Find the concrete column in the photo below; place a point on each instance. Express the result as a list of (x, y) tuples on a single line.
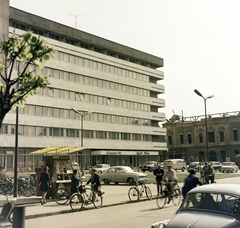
[(4, 19)]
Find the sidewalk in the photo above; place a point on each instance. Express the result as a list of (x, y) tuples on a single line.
[(114, 195)]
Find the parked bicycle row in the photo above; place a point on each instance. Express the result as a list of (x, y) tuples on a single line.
[(26, 186)]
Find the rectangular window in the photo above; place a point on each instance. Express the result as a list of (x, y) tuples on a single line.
[(235, 135), (113, 135), (211, 137), (136, 137), (88, 134), (101, 134), (125, 136)]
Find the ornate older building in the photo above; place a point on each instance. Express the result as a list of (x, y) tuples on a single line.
[(186, 137)]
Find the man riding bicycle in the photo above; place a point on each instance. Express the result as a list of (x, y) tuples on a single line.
[(171, 176), (209, 174)]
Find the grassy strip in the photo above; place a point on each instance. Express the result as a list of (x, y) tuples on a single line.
[(181, 176)]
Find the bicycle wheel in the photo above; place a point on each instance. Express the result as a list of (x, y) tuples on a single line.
[(176, 198), (61, 196), (133, 194), (148, 192), (97, 200), (76, 202), (161, 201)]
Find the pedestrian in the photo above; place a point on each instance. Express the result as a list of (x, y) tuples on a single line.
[(74, 181), (44, 184), (95, 182), (190, 182), (159, 172)]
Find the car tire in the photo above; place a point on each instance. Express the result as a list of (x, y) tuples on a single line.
[(143, 170), (183, 169), (106, 181), (99, 172), (130, 181), (116, 182)]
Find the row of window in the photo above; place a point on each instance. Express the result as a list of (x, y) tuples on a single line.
[(94, 99), (71, 133), (69, 114), (86, 80), (74, 59), (211, 137), (79, 44)]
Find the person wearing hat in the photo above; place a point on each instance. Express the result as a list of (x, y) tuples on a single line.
[(190, 182)]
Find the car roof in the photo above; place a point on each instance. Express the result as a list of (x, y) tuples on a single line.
[(233, 189), (120, 166)]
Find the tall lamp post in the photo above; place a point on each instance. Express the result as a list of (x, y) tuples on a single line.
[(82, 114), (206, 124), (169, 121)]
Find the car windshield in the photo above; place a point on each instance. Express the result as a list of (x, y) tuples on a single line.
[(221, 203), (128, 169), (193, 164), (99, 166), (228, 163)]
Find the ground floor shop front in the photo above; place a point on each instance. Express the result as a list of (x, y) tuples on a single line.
[(86, 157)]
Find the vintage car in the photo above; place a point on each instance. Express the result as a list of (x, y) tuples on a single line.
[(229, 167), (122, 174), (149, 166), (216, 165), (195, 166), (216, 205), (102, 168)]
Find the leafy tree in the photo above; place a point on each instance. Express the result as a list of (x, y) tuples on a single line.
[(19, 59)]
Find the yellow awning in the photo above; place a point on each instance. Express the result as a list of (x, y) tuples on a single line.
[(58, 150)]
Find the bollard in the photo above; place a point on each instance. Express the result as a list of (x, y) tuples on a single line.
[(19, 216)]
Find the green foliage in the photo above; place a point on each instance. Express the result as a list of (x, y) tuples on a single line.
[(21, 57)]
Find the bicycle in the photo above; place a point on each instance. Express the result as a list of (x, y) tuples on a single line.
[(134, 193), (84, 197), (165, 194), (7, 210), (62, 194)]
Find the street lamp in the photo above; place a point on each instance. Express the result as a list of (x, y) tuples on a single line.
[(169, 121), (205, 107), (82, 114)]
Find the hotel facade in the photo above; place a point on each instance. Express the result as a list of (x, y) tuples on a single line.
[(116, 90)]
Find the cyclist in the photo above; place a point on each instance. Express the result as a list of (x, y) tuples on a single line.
[(171, 176), (95, 182), (209, 174)]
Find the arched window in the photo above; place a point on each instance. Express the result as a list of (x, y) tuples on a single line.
[(200, 136), (170, 140)]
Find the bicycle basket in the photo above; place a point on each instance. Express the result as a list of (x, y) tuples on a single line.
[(81, 189)]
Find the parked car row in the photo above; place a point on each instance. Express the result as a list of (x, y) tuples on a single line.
[(224, 167)]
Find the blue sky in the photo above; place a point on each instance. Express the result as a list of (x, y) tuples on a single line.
[(199, 41)]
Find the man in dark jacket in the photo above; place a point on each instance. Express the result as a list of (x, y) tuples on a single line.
[(159, 172), (190, 182), (95, 182)]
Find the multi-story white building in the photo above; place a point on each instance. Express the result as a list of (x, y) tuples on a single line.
[(114, 87)]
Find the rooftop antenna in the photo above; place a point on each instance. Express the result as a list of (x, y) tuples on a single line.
[(76, 19)]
